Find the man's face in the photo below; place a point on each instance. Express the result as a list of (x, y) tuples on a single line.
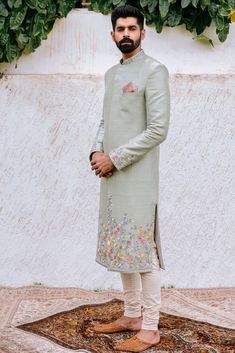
[(127, 34)]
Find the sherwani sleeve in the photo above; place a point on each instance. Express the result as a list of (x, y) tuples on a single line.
[(157, 99), (97, 145)]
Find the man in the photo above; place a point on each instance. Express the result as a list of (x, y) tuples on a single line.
[(125, 155)]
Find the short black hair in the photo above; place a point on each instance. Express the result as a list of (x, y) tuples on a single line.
[(127, 11)]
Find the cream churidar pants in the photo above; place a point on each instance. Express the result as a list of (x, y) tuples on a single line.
[(151, 293)]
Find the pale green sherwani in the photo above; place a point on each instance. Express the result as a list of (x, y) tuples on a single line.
[(133, 125)]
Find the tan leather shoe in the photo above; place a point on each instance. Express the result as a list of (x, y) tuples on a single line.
[(134, 344), (112, 327)]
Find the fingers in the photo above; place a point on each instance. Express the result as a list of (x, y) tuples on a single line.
[(105, 175), (95, 165), (97, 156), (101, 169)]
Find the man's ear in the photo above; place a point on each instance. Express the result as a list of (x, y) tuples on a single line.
[(142, 33), (112, 35)]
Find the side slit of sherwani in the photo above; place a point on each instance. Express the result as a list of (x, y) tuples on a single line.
[(157, 239)]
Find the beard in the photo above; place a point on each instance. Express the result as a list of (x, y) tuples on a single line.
[(128, 48)]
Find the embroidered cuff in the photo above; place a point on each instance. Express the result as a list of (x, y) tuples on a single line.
[(121, 159)]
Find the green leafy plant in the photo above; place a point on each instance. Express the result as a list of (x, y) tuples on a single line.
[(196, 15), (25, 23)]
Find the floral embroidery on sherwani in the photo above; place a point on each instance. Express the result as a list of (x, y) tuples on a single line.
[(120, 158), (124, 245)]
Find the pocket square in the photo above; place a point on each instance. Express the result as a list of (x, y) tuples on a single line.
[(130, 87)]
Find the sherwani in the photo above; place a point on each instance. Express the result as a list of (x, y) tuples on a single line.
[(133, 125)]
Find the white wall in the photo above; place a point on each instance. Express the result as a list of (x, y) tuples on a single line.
[(82, 44), (50, 108)]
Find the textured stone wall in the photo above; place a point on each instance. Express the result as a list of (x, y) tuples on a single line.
[(49, 112)]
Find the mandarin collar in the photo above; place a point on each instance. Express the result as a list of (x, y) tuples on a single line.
[(133, 58)]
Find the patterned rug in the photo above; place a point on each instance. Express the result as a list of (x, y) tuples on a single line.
[(73, 329), (38, 319)]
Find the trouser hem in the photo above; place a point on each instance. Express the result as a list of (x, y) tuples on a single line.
[(132, 314), (150, 326)]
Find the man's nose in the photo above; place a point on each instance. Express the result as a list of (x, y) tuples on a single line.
[(126, 33)]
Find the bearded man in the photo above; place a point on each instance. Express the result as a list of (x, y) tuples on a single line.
[(125, 155)]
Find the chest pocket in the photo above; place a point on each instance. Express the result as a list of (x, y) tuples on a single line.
[(132, 100)]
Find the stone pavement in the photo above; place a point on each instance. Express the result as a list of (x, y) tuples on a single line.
[(21, 305)]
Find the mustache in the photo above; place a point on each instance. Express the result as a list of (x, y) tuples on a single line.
[(126, 40)]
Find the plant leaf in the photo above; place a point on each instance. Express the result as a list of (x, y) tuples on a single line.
[(144, 3), (222, 35), (163, 7), (39, 21), (204, 38), (11, 51), (17, 4), (3, 10), (174, 17), (219, 22), (48, 26), (36, 5), (159, 25), (4, 38), (213, 9), (65, 6), (116, 2), (10, 3), (17, 17), (51, 11), (33, 44), (204, 4), (152, 5), (195, 2), (2, 22), (22, 39), (231, 3), (185, 3), (1, 55), (225, 10)]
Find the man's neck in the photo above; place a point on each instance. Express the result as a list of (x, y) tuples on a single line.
[(129, 55)]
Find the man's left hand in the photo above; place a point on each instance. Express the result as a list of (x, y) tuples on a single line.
[(102, 164)]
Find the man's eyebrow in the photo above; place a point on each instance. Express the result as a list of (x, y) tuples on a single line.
[(119, 27)]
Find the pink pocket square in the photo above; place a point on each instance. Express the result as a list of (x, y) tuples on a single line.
[(130, 87)]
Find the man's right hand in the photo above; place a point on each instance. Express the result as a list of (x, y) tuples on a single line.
[(107, 175)]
